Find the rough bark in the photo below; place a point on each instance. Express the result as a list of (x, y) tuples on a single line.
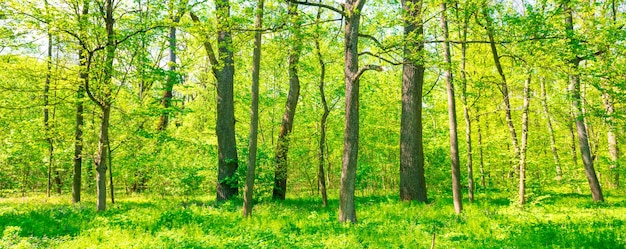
[(522, 163), (555, 154), (282, 145), (228, 163), (321, 178), (254, 112), (412, 180), (101, 159), (577, 108), (454, 142), (347, 211), (612, 139)]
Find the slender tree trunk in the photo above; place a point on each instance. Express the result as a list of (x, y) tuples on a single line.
[(504, 88), (466, 115), (110, 162), (172, 76), (574, 89), (254, 112), (612, 139), (321, 178), (282, 146), (454, 142), (347, 211), (412, 180), (101, 160), (522, 164), (483, 183), (84, 63), (46, 111), (574, 143), (555, 154)]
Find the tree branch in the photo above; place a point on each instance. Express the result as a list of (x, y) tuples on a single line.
[(380, 57), (328, 7), (366, 68), (207, 46)]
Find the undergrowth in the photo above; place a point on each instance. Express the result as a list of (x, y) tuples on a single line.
[(548, 221)]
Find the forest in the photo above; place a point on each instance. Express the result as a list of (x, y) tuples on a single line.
[(312, 124)]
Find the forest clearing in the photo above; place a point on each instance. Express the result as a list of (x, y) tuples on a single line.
[(312, 124)]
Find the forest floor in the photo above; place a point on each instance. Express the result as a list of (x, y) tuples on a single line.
[(148, 221)]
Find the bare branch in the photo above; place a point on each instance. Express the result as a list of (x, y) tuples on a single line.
[(366, 68), (328, 7), (207, 46), (381, 58)]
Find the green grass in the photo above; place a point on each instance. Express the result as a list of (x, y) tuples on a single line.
[(550, 221)]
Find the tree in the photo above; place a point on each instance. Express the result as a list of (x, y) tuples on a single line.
[(223, 69), (321, 178), (254, 111), (282, 146), (454, 141), (555, 154), (574, 91), (412, 180)]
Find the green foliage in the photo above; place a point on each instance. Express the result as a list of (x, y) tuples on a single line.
[(569, 221)]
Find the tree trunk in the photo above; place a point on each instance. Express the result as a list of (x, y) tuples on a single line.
[(522, 163), (483, 183), (254, 112), (454, 142), (101, 160), (172, 76), (347, 211), (466, 115), (504, 88), (574, 89), (228, 163), (555, 154), (84, 59), (321, 178), (412, 180), (110, 162), (46, 111), (612, 139), (282, 146)]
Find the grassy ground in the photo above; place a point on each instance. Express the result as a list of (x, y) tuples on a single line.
[(548, 221)]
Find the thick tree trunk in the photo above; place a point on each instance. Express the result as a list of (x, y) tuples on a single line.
[(228, 163), (555, 154), (612, 139), (454, 142), (347, 211), (282, 146), (412, 180), (577, 106), (254, 112), (466, 115), (522, 164), (321, 178)]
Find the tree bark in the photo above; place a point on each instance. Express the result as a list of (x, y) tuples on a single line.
[(282, 146), (483, 182), (84, 59), (581, 129), (466, 115), (347, 211), (254, 112), (412, 180), (612, 139), (522, 164), (172, 76), (555, 154), (101, 159), (321, 178), (46, 110), (454, 142)]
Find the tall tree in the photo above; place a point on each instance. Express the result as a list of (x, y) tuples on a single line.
[(574, 91), (466, 113), (522, 162), (46, 106), (223, 69), (282, 145), (555, 154), (412, 180), (254, 111), (454, 141), (84, 63), (321, 178)]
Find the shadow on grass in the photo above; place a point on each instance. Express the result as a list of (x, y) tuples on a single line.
[(50, 221)]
